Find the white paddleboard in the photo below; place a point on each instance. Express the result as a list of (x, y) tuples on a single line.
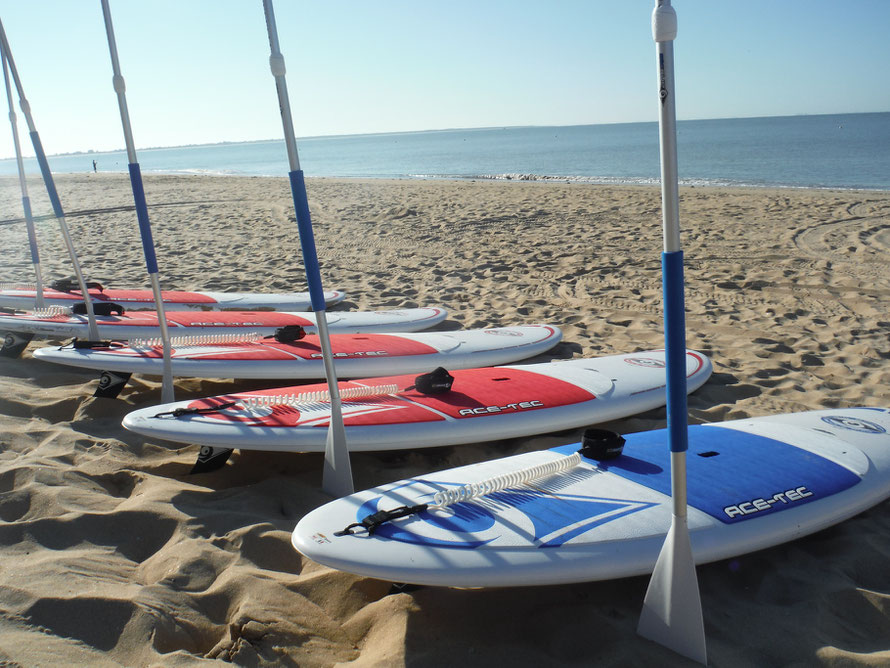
[(752, 484), (144, 324), (388, 413), (355, 355), (25, 297)]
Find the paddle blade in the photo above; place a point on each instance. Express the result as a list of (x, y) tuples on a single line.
[(672, 614), (336, 478)]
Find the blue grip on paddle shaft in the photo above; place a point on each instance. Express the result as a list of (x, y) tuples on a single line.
[(32, 235), (47, 175), (307, 239), (148, 244), (675, 349)]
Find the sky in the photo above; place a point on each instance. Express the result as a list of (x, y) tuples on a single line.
[(197, 71)]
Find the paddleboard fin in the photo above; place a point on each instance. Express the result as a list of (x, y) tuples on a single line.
[(211, 459), (110, 384), (14, 343)]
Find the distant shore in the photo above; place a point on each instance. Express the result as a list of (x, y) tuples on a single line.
[(110, 552), (822, 151)]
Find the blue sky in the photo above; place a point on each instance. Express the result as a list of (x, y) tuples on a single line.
[(197, 70)]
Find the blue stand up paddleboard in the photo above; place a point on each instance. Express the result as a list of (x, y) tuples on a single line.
[(576, 513)]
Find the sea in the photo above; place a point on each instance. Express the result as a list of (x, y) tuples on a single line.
[(843, 151)]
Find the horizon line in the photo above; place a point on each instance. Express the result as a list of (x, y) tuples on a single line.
[(225, 142)]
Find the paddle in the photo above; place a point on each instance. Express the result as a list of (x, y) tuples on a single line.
[(337, 476), (672, 614), (23, 185), (50, 186), (148, 247)]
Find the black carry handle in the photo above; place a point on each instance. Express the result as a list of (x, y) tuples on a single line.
[(288, 334), (85, 344), (100, 308), (600, 444), (437, 381), (70, 285)]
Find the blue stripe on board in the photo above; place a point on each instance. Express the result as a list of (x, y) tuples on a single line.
[(747, 475)]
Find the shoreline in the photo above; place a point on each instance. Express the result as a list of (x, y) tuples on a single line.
[(111, 553), (35, 185), (616, 182)]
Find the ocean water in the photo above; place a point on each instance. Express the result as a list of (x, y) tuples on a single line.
[(848, 151)]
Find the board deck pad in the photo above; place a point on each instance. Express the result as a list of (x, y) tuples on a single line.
[(724, 466), (355, 355), (752, 484), (483, 403)]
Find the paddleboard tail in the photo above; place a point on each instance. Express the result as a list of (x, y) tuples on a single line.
[(474, 490)]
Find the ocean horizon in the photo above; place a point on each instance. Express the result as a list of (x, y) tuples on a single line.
[(831, 151)]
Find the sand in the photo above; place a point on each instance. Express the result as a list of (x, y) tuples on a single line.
[(112, 554)]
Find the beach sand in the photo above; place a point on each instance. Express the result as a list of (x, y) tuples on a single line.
[(112, 554)]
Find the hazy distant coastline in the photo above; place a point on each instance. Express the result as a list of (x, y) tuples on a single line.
[(832, 151), (418, 132)]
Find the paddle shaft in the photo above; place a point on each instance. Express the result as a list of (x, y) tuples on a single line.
[(337, 475), (148, 247), (672, 614), (23, 184), (50, 184), (672, 265)]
